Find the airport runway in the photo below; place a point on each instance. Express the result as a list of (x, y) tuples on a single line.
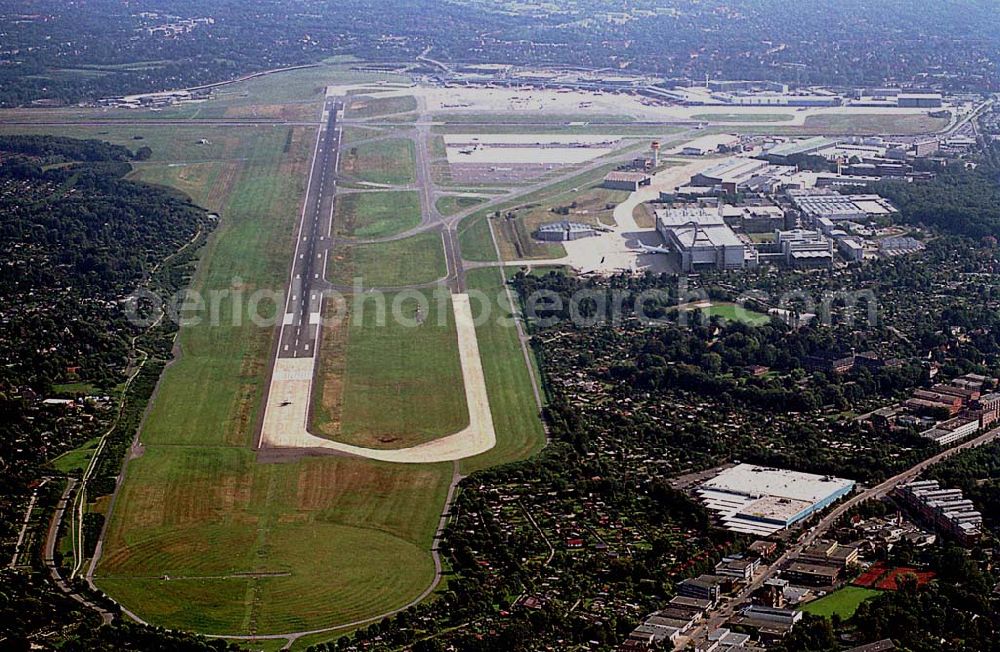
[(301, 320)]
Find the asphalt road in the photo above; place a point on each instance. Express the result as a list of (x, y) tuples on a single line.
[(301, 318)]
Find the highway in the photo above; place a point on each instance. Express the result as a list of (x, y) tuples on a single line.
[(301, 319), (881, 490)]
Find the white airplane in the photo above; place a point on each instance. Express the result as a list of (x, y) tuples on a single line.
[(650, 249)]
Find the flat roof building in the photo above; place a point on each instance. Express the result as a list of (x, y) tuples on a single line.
[(730, 175), (759, 500), (920, 100), (703, 239), (563, 231), (785, 151), (831, 205), (804, 248), (810, 574), (630, 181), (946, 509)]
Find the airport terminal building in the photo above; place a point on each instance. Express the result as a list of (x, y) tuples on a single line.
[(757, 500), (703, 239)]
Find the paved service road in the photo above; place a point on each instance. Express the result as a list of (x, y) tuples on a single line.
[(301, 320)]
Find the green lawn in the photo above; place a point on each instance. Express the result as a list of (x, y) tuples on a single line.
[(388, 162), (843, 602), (736, 313), (413, 260), (744, 117), (85, 389), (78, 458), (451, 204), (530, 117), (515, 414), (336, 538), (376, 214), (269, 547), (474, 238), (351, 134), (370, 107), (862, 124), (399, 382)]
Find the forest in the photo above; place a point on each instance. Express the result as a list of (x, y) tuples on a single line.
[(961, 199), (77, 238)]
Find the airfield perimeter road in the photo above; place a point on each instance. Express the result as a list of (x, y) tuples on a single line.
[(810, 536), (300, 322)]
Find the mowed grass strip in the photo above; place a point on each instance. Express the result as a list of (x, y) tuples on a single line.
[(475, 240), (402, 382), (364, 106), (208, 605), (862, 124), (508, 382), (843, 602), (376, 214), (208, 396), (451, 204), (414, 260), (390, 162), (744, 117), (322, 541)]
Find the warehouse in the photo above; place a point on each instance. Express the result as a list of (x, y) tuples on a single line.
[(630, 181), (731, 174), (703, 239), (564, 231), (920, 100), (818, 204), (758, 500), (782, 153)]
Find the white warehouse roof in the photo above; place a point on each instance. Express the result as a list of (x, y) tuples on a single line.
[(757, 481)]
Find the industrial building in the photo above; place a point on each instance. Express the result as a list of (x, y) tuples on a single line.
[(730, 175), (630, 181), (754, 219), (782, 153), (703, 239), (920, 100), (758, 500), (946, 509), (818, 204), (778, 99), (852, 249), (899, 246), (564, 231), (804, 248)]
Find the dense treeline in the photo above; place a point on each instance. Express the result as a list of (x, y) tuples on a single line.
[(75, 240), (960, 200), (711, 356), (59, 148)]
